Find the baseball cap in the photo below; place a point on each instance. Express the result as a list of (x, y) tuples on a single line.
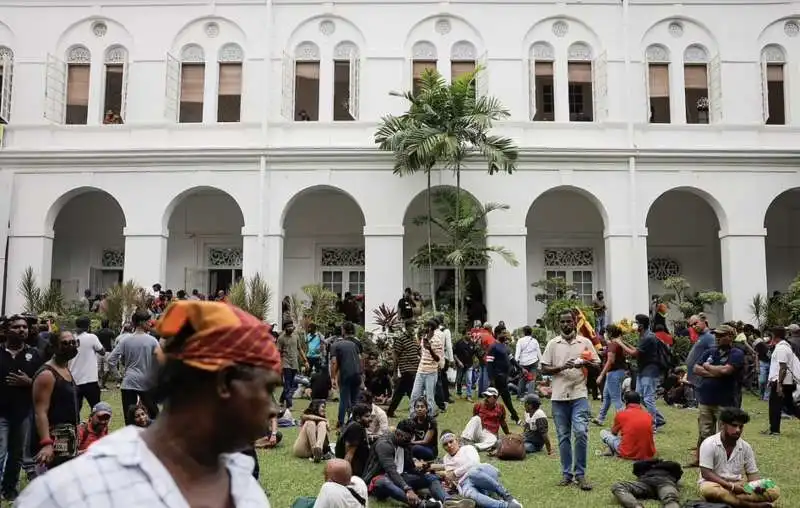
[(102, 407), (793, 328), (491, 392), (724, 330)]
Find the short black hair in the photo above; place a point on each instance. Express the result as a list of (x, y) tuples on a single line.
[(140, 317), (104, 323), (360, 410), (643, 320), (632, 398), (406, 426), (613, 331), (366, 397), (349, 328), (734, 415), (83, 323), (527, 330)]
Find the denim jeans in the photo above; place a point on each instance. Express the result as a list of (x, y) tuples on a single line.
[(12, 446), (763, 375), (348, 395), (288, 387), (601, 323), (384, 488), (572, 421), (612, 392), (526, 386), (479, 485), (424, 383), (532, 447), (422, 452), (611, 441), (647, 386), (483, 381), (465, 377)]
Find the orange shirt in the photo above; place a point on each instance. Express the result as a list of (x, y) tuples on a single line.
[(635, 425)]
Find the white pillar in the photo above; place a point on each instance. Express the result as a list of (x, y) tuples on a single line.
[(383, 253), (273, 256), (210, 87), (506, 285), (326, 84), (626, 275), (744, 271), (35, 251), (252, 254), (677, 97), (145, 257), (561, 89)]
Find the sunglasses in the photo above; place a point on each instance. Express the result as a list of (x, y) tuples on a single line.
[(104, 417)]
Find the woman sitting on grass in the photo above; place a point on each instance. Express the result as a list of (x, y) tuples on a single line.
[(426, 432), (139, 416), (312, 440)]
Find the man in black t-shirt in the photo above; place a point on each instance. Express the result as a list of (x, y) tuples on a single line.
[(405, 306), (347, 368), (106, 336), (353, 445)]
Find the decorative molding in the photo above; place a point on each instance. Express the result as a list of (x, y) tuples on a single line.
[(791, 28), (442, 26), (675, 29), (6, 53), (306, 51), (79, 55), (345, 50), (113, 258), (568, 257), (463, 51), (99, 28), (424, 50), (560, 28), (225, 256), (193, 53), (116, 55), (211, 29), (773, 54), (543, 51), (662, 268), (695, 54), (327, 27), (579, 51), (657, 53), (230, 53), (342, 256)]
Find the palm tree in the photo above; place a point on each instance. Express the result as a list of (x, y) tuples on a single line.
[(445, 125), (252, 295)]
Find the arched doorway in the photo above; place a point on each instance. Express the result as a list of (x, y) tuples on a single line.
[(204, 249), (438, 278), (683, 240), (88, 244), (565, 240), (324, 242), (782, 222)]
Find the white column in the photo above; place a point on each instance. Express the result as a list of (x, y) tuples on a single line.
[(561, 89), (145, 257), (210, 87), (506, 285), (97, 93), (677, 95), (383, 253), (35, 251), (744, 271), (252, 254), (626, 275), (273, 263), (326, 87)]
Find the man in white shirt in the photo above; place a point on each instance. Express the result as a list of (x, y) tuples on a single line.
[(527, 356), (341, 489), (784, 368), (449, 361), (84, 366)]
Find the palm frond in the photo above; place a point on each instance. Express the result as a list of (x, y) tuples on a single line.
[(30, 291)]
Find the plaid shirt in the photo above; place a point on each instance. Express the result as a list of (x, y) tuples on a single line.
[(120, 470)]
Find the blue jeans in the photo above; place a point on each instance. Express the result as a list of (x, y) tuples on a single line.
[(601, 323), (612, 392), (763, 375), (465, 376), (483, 381), (288, 386), (533, 447), (526, 386), (481, 482), (384, 488), (422, 452), (572, 420), (611, 441), (348, 395), (12, 448), (647, 386), (424, 383)]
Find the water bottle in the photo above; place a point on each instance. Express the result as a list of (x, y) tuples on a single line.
[(764, 483)]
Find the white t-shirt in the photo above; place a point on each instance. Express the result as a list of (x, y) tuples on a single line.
[(714, 457), (465, 459), (528, 351), (84, 366), (783, 354), (334, 495)]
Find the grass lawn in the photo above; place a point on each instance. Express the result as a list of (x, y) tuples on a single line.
[(533, 481)]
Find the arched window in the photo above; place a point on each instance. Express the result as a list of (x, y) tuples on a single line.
[(541, 90), (580, 91), (304, 82), (229, 93), (423, 57), (463, 58), (773, 63), (192, 84), (79, 61), (696, 84), (658, 84), (116, 85), (346, 70), (6, 79)]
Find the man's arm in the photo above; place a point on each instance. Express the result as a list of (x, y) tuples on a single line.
[(385, 454), (334, 372), (504, 423), (98, 347)]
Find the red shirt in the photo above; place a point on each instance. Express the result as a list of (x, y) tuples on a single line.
[(87, 436), (636, 427), (490, 417), (665, 338), (487, 340)]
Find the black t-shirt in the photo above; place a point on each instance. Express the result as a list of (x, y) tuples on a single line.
[(762, 350), (465, 351), (347, 353), (501, 363), (354, 434), (421, 428), (106, 337), (17, 401), (405, 307)]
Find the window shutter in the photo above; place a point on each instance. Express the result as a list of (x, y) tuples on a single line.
[(287, 93), (764, 90), (482, 79), (55, 91), (600, 87), (355, 76), (172, 92), (123, 108), (5, 92), (230, 79), (531, 89), (715, 89), (648, 114)]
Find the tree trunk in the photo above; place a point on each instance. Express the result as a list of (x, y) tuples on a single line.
[(430, 248), (456, 242)]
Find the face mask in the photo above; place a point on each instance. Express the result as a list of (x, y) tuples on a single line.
[(14, 340), (67, 355)]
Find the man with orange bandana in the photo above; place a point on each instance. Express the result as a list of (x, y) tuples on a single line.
[(216, 382)]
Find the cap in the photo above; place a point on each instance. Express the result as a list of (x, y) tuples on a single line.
[(102, 407), (532, 398), (724, 330), (793, 328), (491, 392)]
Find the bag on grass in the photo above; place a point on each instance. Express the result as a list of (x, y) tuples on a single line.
[(511, 447), (704, 504), (304, 502)]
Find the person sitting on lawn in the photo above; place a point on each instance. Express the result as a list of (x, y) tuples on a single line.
[(312, 440), (631, 437), (341, 489), (488, 418), (353, 444), (536, 426), (139, 416), (379, 422), (95, 428), (273, 436), (479, 482), (655, 479), (723, 457), (391, 472), (426, 432)]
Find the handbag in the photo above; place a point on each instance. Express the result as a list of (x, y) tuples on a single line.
[(65, 440), (511, 447)]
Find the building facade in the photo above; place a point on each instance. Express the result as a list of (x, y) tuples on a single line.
[(192, 142)]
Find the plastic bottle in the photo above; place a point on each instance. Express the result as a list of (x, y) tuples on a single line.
[(764, 483)]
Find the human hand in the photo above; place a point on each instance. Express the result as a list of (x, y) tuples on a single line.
[(599, 379), (737, 488), (273, 440), (551, 453), (779, 393), (412, 498), (18, 378), (569, 365), (45, 455)]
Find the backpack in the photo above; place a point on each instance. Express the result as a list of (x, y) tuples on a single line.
[(663, 356)]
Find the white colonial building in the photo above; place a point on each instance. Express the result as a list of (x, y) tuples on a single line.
[(188, 142)]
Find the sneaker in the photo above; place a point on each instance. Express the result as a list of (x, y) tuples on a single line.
[(584, 484), (768, 432), (514, 504), (431, 503), (565, 482)]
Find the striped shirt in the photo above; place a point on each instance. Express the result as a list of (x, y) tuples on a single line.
[(427, 365), (406, 352)]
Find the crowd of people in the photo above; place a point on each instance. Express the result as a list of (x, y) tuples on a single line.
[(205, 372)]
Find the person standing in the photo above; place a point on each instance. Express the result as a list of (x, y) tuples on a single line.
[(528, 352), (783, 368), (106, 337), (347, 369), (314, 342), (405, 306), (613, 373), (431, 359), (406, 352), (466, 351), (443, 383), (290, 347), (563, 359), (84, 366), (499, 363), (703, 342), (137, 352), (599, 307)]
